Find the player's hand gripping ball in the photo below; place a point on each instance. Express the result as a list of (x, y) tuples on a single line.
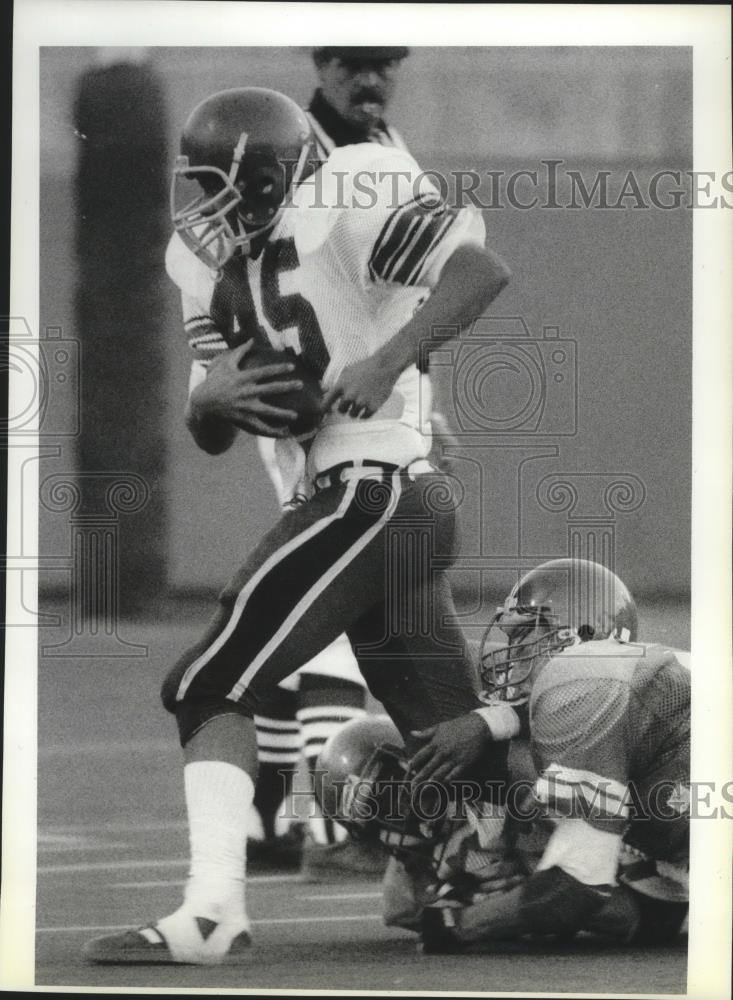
[(306, 401)]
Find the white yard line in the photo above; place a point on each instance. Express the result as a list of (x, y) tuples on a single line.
[(255, 923), (63, 839), (107, 748), (318, 920), (129, 865), (132, 865), (113, 826), (340, 895), (162, 883), (110, 866), (98, 847)]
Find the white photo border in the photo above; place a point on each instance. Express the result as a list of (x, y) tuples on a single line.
[(141, 23)]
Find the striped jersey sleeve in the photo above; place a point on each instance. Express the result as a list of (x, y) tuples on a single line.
[(205, 341), (409, 239), (395, 227), (196, 283)]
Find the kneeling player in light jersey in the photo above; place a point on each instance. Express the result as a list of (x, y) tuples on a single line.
[(609, 737), (593, 833)]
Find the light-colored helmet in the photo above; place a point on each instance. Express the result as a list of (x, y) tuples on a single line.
[(558, 604)]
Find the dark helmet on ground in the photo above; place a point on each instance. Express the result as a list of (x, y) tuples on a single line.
[(558, 604), (363, 781), (242, 154)]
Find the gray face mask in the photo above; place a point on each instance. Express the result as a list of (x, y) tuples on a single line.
[(516, 642)]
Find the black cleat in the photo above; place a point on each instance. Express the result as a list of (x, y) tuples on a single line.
[(438, 931), (283, 853)]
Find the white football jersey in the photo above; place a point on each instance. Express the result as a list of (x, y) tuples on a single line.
[(347, 265)]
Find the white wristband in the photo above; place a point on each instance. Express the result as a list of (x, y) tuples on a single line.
[(502, 720)]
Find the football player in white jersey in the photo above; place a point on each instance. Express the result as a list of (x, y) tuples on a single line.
[(356, 86), (274, 251)]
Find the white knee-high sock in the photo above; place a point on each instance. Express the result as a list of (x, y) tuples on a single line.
[(218, 798)]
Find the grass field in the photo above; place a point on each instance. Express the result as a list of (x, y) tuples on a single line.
[(112, 853)]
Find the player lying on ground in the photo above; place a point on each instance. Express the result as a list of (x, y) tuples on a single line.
[(265, 258), (601, 842)]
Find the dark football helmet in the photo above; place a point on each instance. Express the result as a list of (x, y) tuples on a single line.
[(246, 150), (363, 782), (558, 604)]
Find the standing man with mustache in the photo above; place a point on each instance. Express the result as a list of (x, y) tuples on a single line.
[(356, 87)]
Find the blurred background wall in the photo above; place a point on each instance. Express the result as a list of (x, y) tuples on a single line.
[(615, 282)]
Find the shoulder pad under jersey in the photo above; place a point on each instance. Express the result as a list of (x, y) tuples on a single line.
[(606, 658), (368, 156), (368, 174), (189, 273)]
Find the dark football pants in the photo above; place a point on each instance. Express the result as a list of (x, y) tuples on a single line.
[(367, 557)]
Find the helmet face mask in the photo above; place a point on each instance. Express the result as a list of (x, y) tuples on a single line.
[(529, 636), (364, 783), (204, 206), (243, 153), (561, 603), (376, 804)]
